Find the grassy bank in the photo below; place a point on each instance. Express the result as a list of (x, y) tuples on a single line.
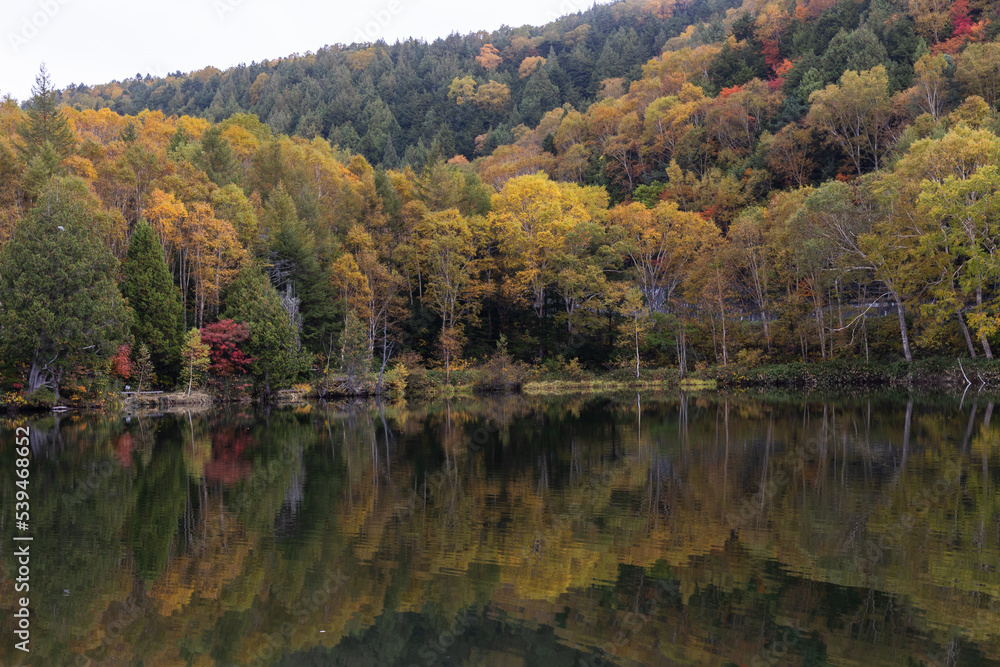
[(596, 386), (935, 373)]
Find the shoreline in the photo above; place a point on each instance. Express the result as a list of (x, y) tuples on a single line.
[(933, 374)]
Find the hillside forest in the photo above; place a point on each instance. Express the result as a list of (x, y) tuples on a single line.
[(641, 185)]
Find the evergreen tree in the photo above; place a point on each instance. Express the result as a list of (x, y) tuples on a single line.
[(560, 79), (252, 299), (857, 50), (296, 271), (59, 304), (143, 368), (377, 118), (155, 300), (346, 137), (217, 157), (621, 53), (128, 135), (178, 141), (578, 65), (41, 167), (540, 96), (44, 121), (389, 158), (549, 144)]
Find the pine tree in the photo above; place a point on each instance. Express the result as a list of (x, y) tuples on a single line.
[(45, 123), (217, 157), (128, 135), (155, 301), (41, 167), (294, 264), (389, 158), (540, 96)]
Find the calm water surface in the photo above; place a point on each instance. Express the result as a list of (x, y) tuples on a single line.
[(627, 530)]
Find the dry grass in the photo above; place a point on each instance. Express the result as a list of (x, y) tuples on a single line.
[(560, 387), (697, 384)]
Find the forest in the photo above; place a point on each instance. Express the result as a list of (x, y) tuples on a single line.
[(644, 186)]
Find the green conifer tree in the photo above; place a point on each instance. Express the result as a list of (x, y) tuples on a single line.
[(252, 299), (155, 300), (44, 122), (59, 305)]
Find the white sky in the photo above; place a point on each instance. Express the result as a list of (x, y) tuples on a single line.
[(95, 41)]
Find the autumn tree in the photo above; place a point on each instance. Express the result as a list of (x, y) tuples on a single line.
[(537, 222), (945, 233), (709, 291), (529, 66), (462, 90), (930, 82), (668, 119), (788, 154), (978, 70), (230, 203), (931, 16), (369, 287), (492, 96), (637, 314), (489, 57), (967, 213), (211, 256), (881, 246), (448, 247), (122, 365), (748, 248), (195, 360), (856, 116), (224, 339), (616, 132), (663, 247), (737, 115), (355, 355), (580, 280)]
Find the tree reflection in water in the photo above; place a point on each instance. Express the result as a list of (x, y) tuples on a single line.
[(504, 530)]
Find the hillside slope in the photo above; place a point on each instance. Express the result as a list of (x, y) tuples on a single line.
[(391, 103)]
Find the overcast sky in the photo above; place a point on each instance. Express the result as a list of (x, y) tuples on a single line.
[(95, 41)]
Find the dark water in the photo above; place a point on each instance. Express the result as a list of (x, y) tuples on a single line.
[(511, 531)]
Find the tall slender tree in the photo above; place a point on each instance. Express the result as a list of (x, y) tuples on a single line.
[(45, 123), (155, 300)]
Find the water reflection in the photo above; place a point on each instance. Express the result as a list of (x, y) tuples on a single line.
[(571, 531)]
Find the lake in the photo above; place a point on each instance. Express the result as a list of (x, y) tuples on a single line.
[(657, 529)]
